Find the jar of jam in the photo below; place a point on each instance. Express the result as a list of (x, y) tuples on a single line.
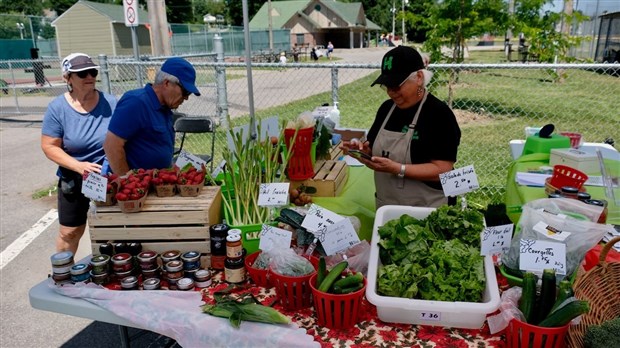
[(217, 236), (569, 192), (99, 264), (122, 262), (62, 262), (80, 273), (99, 278), (121, 248), (602, 219), (582, 196), (129, 283), (190, 273), (191, 260), (62, 278), (151, 284), (234, 270), (203, 278), (174, 269), (124, 274), (185, 284), (147, 260), (170, 255), (234, 249), (234, 231), (151, 273)]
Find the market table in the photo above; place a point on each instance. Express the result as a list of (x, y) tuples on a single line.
[(517, 195)]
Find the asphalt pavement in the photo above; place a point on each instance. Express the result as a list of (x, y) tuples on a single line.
[(26, 246)]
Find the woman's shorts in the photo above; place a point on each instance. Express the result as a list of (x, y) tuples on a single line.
[(73, 206)]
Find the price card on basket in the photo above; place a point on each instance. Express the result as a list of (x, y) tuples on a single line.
[(337, 237), (495, 239), (537, 255), (273, 237), (317, 218), (185, 157), (95, 187), (459, 181), (273, 194)]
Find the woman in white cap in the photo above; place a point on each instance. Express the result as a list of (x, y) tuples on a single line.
[(74, 128)]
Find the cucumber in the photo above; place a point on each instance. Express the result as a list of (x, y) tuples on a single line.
[(565, 314), (348, 290), (565, 291), (547, 294), (350, 281), (527, 304), (332, 276), (321, 272)]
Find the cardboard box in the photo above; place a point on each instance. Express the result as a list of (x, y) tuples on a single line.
[(465, 315), (575, 158), (329, 178)]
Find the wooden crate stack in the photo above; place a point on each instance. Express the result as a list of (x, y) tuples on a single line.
[(165, 223), (328, 180)]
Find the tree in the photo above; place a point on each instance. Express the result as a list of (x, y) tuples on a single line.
[(203, 7), (179, 11), (26, 7), (235, 10)]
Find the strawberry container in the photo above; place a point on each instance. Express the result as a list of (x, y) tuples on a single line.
[(190, 190), (165, 190), (132, 206)]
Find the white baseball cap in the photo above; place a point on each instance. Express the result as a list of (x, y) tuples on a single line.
[(76, 62)]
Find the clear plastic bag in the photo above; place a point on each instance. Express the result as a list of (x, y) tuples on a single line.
[(357, 256), (567, 215), (508, 310), (287, 262)]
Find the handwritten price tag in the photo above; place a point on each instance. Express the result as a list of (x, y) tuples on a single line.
[(459, 181), (273, 194), (430, 316), (94, 187), (186, 157), (318, 218), (338, 237), (273, 237), (495, 239), (537, 255)]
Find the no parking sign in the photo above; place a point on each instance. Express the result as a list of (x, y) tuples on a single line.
[(130, 8)]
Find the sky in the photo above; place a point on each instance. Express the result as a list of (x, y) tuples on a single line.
[(589, 7)]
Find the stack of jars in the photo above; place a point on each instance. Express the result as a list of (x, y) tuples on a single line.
[(147, 260), (234, 265), (80, 273), (61, 267), (122, 266), (173, 267), (100, 269)]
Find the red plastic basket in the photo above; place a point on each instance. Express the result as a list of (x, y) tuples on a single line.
[(567, 176), (575, 138), (300, 161), (294, 292), (524, 335), (337, 311), (259, 276)]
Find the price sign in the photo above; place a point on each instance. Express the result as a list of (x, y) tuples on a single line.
[(495, 239), (430, 316), (459, 181), (538, 255), (273, 194), (322, 111), (318, 218), (273, 237), (95, 187), (337, 237), (186, 157)]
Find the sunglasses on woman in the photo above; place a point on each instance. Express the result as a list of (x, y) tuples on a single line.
[(84, 73)]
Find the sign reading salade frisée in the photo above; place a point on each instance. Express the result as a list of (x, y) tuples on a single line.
[(459, 181)]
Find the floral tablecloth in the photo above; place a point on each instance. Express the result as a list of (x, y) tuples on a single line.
[(370, 331)]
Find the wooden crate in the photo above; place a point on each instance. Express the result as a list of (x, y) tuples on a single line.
[(165, 223), (329, 178)]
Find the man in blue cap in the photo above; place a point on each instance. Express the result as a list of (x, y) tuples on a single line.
[(141, 132)]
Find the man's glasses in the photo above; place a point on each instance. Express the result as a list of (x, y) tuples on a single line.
[(184, 92), (396, 89), (92, 72)]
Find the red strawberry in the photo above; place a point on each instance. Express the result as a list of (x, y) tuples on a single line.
[(121, 196)]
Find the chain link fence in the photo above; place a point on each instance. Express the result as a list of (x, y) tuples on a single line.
[(493, 103)]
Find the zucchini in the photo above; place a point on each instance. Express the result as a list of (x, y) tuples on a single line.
[(332, 276), (565, 291), (566, 313), (527, 304), (321, 272), (547, 294), (350, 281)]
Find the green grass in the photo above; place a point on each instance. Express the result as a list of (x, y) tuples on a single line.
[(45, 192)]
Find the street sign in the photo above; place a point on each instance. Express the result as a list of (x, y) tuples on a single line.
[(130, 9)]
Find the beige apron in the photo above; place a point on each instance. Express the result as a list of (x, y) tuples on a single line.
[(402, 191)]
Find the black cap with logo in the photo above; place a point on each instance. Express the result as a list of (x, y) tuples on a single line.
[(397, 64)]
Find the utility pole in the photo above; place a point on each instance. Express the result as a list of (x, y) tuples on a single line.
[(160, 39), (393, 18), (404, 38), (270, 25)]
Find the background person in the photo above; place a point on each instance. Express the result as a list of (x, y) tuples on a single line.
[(141, 132), (414, 137), (330, 50), (74, 128)]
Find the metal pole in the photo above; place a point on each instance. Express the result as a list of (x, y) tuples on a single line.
[(270, 25), (393, 19), (14, 89), (136, 54), (334, 86), (404, 38), (220, 71), (105, 73), (34, 42), (248, 67)]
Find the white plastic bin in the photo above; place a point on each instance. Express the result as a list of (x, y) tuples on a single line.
[(465, 315)]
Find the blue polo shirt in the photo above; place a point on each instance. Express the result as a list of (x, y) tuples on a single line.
[(147, 127)]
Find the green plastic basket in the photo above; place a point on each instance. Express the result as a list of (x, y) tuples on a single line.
[(249, 233)]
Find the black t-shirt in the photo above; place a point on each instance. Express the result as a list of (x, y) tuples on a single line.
[(437, 134)]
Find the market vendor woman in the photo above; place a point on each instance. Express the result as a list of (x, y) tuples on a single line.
[(414, 137)]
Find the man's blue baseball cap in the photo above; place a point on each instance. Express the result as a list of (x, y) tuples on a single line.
[(182, 70)]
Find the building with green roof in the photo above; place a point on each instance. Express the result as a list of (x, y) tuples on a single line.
[(316, 22), (97, 28)]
